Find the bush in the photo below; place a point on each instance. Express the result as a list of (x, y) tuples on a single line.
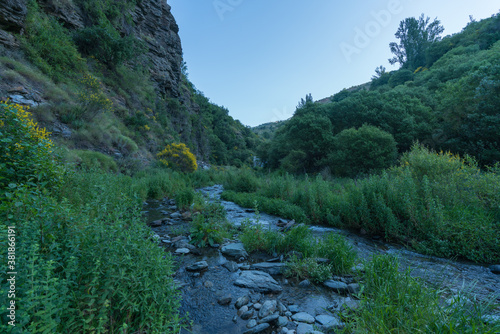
[(104, 43), (94, 160), (26, 152), (49, 46), (184, 198), (178, 157), (367, 149), (210, 227)]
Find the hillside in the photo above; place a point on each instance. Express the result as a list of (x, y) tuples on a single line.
[(448, 101), (107, 77)]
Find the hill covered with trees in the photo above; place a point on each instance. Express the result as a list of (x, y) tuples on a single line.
[(445, 96)]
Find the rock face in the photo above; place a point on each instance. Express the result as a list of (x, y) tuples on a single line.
[(153, 23), (258, 281), (156, 26)]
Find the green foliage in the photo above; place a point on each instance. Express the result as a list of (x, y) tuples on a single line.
[(415, 36), (104, 43), (210, 227), (184, 198), (49, 46), (179, 157), (394, 301), (367, 149), (77, 260), (308, 268), (94, 160), (26, 152)]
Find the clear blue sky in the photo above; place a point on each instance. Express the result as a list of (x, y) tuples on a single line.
[(258, 58)]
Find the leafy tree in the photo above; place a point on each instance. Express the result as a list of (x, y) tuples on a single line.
[(364, 150), (303, 103), (379, 72), (414, 36)]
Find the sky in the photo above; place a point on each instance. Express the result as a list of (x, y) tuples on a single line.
[(258, 58)]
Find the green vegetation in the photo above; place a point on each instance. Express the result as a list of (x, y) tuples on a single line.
[(394, 301), (210, 227), (332, 247), (436, 203)]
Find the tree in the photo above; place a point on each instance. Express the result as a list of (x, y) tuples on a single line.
[(303, 103), (415, 36), (379, 72)]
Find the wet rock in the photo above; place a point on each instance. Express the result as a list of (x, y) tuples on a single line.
[(288, 314), (176, 215), (198, 266), (226, 300), (256, 297), (339, 287), (328, 322), (271, 268), (257, 306), (235, 250), (252, 323), (258, 281), (282, 321), (304, 284), (242, 310), (181, 251), (231, 266), (303, 317), (495, 269), (257, 329), (166, 241), (269, 318), (293, 308), (303, 328), (281, 308), (267, 308), (353, 288), (242, 301), (156, 223), (247, 315)]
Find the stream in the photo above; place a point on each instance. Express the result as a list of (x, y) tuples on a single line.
[(205, 293)]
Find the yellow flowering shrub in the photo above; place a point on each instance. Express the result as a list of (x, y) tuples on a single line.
[(179, 157), (26, 152), (92, 97)]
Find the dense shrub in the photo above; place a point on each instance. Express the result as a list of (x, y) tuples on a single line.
[(178, 157), (367, 149), (26, 152)]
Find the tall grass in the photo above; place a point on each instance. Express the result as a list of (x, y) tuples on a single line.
[(437, 203), (395, 302), (86, 262)]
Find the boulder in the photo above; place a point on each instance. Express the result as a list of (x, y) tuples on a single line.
[(303, 317), (198, 266), (339, 287), (236, 250), (271, 268), (267, 308)]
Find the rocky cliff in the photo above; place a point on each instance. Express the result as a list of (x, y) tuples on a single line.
[(152, 22)]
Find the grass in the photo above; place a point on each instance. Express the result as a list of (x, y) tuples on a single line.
[(395, 302)]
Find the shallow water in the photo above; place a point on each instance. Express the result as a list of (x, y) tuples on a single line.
[(200, 293)]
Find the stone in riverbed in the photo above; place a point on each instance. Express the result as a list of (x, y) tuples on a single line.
[(303, 328), (339, 287), (282, 321), (242, 301), (495, 269), (181, 251), (267, 308), (252, 323), (272, 268), (303, 317), (231, 266), (269, 318), (235, 250), (353, 288), (247, 315), (328, 322), (257, 329), (226, 300), (198, 266), (293, 308), (258, 281)]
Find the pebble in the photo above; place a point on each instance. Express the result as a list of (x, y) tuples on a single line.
[(257, 329), (252, 323), (242, 301)]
